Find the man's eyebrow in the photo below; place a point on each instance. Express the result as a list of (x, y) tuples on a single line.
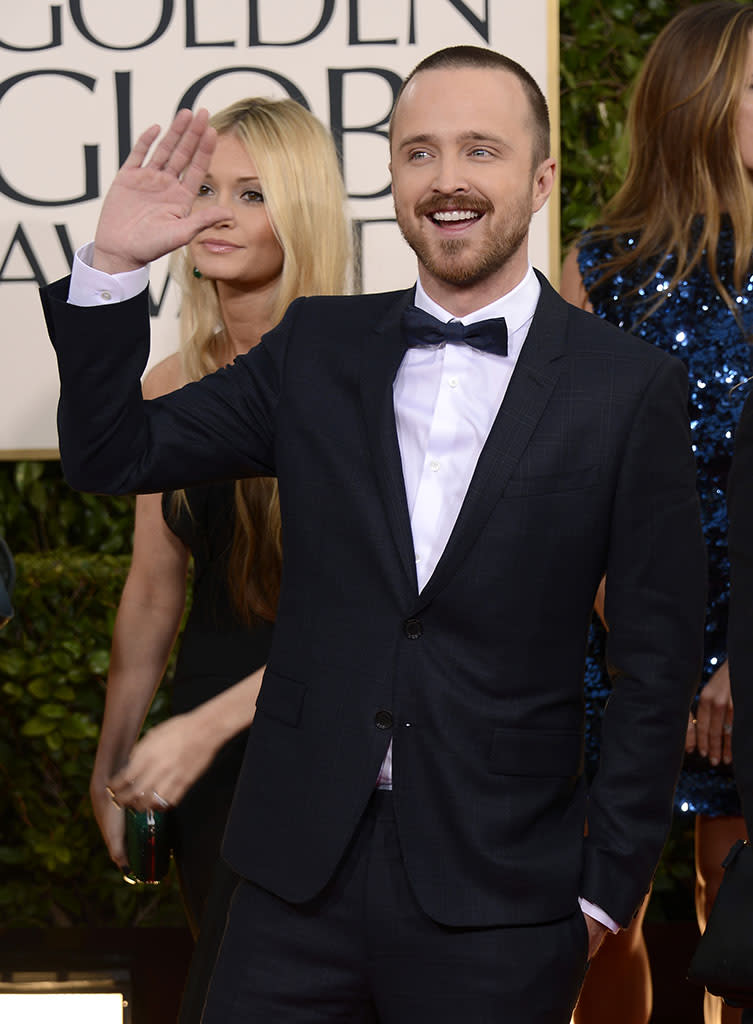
[(427, 138), (423, 138)]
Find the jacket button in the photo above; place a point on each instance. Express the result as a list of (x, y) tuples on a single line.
[(383, 720), (413, 629)]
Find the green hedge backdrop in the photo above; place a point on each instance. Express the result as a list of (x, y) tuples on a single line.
[(72, 555)]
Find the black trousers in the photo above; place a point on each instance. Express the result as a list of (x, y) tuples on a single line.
[(364, 951)]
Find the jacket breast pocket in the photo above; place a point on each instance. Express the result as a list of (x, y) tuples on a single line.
[(281, 698), (541, 753), (552, 483)]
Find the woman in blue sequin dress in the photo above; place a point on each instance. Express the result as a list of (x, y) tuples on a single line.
[(670, 261)]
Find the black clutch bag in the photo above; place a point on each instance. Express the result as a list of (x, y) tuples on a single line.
[(148, 846), (723, 961)]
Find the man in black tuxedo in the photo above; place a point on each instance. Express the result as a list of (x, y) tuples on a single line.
[(410, 815)]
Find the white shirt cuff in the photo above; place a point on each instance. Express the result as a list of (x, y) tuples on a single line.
[(598, 915), (91, 287)]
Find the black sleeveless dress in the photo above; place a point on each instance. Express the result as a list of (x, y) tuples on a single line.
[(216, 650)]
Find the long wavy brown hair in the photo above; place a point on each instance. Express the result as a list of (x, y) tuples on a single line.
[(684, 154), (305, 199)]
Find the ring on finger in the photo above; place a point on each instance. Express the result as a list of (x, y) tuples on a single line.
[(164, 804), (727, 728)]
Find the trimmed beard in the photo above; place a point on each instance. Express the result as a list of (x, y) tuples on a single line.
[(448, 265)]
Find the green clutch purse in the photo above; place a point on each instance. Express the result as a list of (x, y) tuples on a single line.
[(148, 846)]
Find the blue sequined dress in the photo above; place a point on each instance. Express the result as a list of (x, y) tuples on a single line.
[(694, 323)]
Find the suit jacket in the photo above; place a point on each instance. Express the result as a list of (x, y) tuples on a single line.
[(740, 625), (477, 680)]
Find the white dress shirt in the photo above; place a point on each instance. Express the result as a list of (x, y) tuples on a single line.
[(446, 398)]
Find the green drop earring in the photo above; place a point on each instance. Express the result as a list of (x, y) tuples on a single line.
[(197, 273)]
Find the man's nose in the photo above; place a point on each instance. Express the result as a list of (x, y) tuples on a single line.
[(450, 176)]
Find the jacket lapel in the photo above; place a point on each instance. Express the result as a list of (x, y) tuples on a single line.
[(536, 372), (381, 356)]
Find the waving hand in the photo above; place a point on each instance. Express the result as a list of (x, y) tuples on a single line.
[(148, 210)]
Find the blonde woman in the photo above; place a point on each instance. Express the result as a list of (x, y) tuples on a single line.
[(670, 261), (275, 169)]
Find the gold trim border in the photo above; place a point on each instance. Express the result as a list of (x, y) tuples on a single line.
[(30, 454), (553, 97)]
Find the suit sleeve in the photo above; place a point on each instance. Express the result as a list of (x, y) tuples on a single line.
[(740, 638), (655, 610), (114, 442)]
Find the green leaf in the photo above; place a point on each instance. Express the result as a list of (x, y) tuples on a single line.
[(99, 662), (12, 662), (54, 711), (37, 727), (40, 688), (54, 742)]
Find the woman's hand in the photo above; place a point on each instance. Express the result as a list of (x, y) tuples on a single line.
[(111, 821), (147, 211), (710, 732), (165, 763)]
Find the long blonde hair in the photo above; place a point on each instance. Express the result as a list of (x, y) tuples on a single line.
[(304, 197), (684, 153)]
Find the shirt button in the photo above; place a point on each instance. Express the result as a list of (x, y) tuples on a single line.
[(106, 296), (453, 382), (434, 466), (413, 629), (383, 720)]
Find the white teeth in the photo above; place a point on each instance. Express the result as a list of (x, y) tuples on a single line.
[(446, 215)]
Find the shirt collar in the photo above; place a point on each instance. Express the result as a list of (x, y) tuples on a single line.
[(517, 306)]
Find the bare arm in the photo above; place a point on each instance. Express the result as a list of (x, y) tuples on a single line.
[(146, 625), (145, 628), (571, 283), (174, 754)]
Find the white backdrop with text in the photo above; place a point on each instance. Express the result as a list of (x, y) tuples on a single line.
[(80, 79)]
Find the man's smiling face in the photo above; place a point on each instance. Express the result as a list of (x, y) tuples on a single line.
[(463, 183)]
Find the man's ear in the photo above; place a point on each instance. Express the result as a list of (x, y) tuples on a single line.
[(543, 182)]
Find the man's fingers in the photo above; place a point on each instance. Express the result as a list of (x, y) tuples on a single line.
[(141, 147), (195, 171), (173, 138), (187, 146)]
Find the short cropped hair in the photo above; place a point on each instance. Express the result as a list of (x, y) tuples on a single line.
[(457, 57)]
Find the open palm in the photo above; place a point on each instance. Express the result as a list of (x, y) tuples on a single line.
[(147, 211)]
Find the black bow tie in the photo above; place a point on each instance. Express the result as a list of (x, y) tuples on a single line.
[(421, 328)]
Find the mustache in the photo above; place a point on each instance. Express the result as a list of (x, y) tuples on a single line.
[(438, 204)]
